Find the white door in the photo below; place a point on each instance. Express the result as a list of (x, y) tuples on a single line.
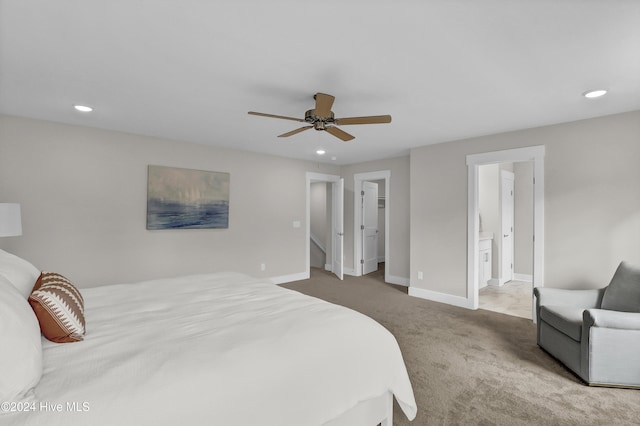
[(338, 228), (369, 227), (507, 213)]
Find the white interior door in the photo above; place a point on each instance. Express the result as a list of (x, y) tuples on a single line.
[(338, 228), (507, 213), (369, 227)]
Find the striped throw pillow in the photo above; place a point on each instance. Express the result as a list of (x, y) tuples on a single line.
[(59, 307)]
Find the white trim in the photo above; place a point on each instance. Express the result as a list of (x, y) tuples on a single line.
[(314, 177), (289, 278), (495, 282), (358, 178), (435, 296), (523, 277), (533, 153), (381, 259), (350, 271), (317, 242), (393, 279), (328, 267)]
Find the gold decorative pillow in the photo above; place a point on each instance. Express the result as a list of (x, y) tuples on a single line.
[(59, 307)]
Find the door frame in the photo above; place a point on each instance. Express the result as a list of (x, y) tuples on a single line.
[(533, 153), (358, 179), (310, 178)]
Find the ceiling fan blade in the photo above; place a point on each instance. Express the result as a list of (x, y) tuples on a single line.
[(276, 116), (324, 103), (339, 133), (371, 119), (293, 132)]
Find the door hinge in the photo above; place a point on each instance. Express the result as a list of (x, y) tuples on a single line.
[(362, 193), (362, 227), (362, 261)]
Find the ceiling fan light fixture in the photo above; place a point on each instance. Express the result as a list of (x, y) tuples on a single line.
[(592, 94), (321, 152)]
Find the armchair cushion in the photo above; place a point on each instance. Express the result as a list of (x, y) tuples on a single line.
[(566, 319), (611, 319), (623, 292)]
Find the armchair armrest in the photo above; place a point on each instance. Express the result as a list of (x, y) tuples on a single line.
[(611, 319), (586, 299)]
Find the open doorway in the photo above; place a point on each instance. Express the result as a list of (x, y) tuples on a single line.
[(320, 225), (534, 154), (505, 211), (325, 198), (372, 192)]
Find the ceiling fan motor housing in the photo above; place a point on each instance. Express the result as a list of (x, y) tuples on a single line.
[(318, 122)]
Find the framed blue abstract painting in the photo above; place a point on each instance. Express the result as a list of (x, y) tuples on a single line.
[(187, 199)]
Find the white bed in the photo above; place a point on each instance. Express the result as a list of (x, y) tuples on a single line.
[(219, 349)]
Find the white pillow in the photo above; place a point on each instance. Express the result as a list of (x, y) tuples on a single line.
[(22, 274), (21, 354)]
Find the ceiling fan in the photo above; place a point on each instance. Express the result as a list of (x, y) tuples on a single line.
[(321, 118)]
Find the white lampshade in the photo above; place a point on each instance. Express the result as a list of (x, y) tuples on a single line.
[(10, 222)]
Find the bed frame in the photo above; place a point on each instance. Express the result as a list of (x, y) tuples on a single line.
[(371, 412)]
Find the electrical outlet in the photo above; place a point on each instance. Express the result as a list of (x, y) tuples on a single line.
[(419, 275), (263, 266)]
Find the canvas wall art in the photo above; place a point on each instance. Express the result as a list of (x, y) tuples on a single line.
[(187, 199)]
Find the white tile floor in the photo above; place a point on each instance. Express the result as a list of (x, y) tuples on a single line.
[(513, 298)]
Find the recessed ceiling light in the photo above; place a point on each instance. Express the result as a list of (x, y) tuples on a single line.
[(83, 108), (321, 152), (594, 93)]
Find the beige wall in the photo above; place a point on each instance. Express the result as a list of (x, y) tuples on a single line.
[(83, 197), (523, 218), (592, 202), (399, 212)]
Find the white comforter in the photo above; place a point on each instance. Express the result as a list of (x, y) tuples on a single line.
[(218, 349)]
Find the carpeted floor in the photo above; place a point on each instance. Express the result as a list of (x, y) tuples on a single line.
[(475, 367)]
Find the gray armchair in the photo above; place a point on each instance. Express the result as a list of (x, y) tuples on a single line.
[(595, 333)]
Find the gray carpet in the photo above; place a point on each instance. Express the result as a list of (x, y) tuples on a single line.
[(475, 367)]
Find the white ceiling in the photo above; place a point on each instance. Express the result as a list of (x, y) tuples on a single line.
[(444, 69)]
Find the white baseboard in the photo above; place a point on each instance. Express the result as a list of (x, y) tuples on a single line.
[(440, 297), (523, 277), (350, 271), (289, 278), (393, 279), (495, 282), (499, 282), (328, 267), (382, 259)]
